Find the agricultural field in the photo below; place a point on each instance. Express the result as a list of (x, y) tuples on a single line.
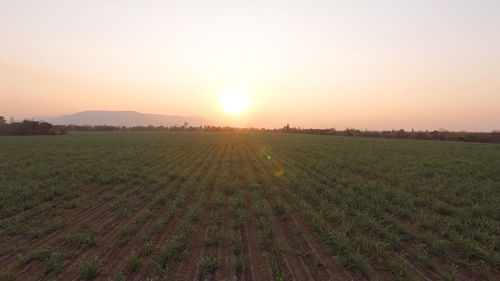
[(247, 206)]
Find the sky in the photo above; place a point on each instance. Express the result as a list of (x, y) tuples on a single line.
[(373, 65)]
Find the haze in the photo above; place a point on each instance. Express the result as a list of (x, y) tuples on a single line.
[(365, 64)]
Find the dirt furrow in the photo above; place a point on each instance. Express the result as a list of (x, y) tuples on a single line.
[(116, 257), (89, 190), (159, 236), (417, 267), (256, 268), (107, 217), (58, 237), (186, 268), (285, 238), (21, 240), (124, 252), (111, 220), (108, 247), (308, 240), (106, 244), (224, 251)]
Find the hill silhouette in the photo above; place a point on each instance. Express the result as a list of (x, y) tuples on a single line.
[(122, 118)]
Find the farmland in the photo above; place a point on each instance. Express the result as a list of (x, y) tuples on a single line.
[(247, 206)]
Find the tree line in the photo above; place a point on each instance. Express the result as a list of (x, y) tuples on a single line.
[(441, 135), (176, 128), (29, 127)]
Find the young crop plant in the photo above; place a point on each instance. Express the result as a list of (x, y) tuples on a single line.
[(119, 277), (373, 248), (267, 237), (279, 207), (352, 261), (135, 261), (238, 261), (83, 240), (207, 266), (90, 269), (126, 233), (236, 205), (73, 203), (146, 249), (453, 273), (238, 266), (214, 237), (336, 241), (400, 268), (215, 219), (7, 275), (57, 225), (55, 262), (12, 226), (41, 255), (174, 208), (125, 206), (179, 242)]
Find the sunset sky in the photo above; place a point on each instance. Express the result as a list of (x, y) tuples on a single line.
[(363, 64)]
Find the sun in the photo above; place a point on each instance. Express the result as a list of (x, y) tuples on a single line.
[(234, 101)]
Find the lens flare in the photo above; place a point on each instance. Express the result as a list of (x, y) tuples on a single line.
[(278, 172)]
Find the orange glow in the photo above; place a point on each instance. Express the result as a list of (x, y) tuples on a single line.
[(324, 65)]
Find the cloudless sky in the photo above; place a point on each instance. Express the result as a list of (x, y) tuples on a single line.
[(362, 64)]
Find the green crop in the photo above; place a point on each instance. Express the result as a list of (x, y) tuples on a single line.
[(157, 205)]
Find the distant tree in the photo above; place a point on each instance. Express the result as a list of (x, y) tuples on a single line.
[(286, 128), (4, 127), (401, 134), (30, 127)]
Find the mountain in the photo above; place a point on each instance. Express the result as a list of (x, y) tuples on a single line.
[(122, 118)]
